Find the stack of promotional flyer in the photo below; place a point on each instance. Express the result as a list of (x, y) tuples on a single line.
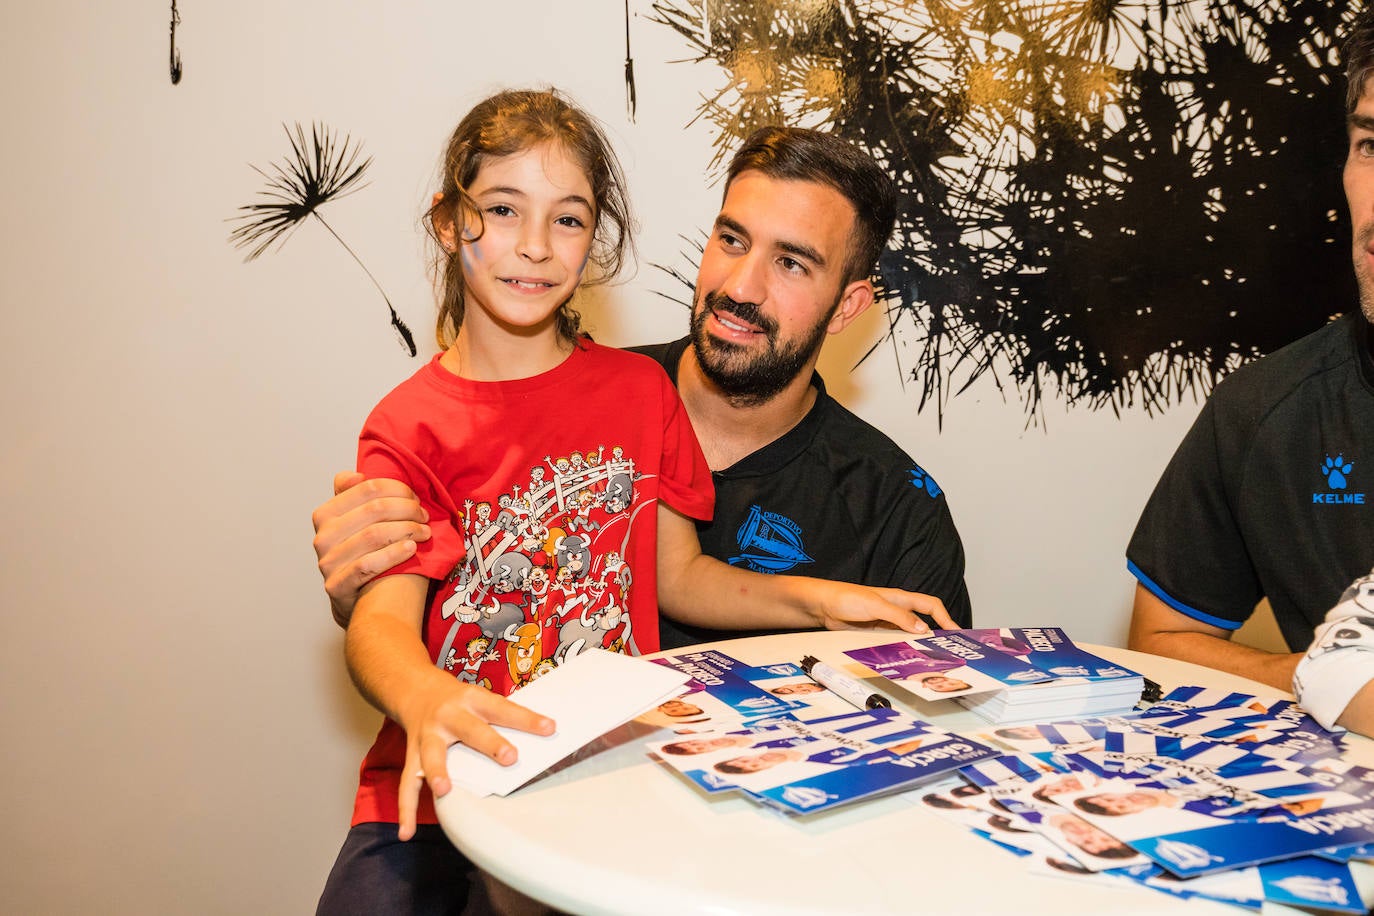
[(786, 742), (1033, 674), (1209, 794)]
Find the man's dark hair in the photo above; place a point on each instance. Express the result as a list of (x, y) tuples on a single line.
[(798, 154), (729, 766), (936, 800), (1119, 851), (1089, 806), (1359, 57), (675, 748)]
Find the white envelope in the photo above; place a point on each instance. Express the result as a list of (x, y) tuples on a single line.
[(586, 696)]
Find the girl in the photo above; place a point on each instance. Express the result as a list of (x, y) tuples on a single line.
[(531, 193)]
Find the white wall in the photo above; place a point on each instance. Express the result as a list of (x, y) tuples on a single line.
[(179, 732)]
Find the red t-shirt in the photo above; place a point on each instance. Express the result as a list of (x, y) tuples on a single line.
[(542, 496)]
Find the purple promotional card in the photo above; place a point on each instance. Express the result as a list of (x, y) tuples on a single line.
[(948, 664)]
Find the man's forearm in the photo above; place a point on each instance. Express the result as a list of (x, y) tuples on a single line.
[(1159, 629), (1271, 668)]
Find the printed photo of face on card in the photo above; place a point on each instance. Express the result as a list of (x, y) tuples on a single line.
[(695, 711), (718, 761), (954, 682), (931, 674), (806, 695)]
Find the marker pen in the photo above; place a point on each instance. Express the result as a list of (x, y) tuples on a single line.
[(838, 682)]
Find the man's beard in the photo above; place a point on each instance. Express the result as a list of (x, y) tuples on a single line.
[(1364, 280), (749, 379)]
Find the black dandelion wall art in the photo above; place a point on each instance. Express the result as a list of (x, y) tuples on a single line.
[(174, 56), (1113, 201), (319, 169)]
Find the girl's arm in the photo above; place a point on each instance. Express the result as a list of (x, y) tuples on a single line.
[(701, 590), (392, 670), (367, 527)]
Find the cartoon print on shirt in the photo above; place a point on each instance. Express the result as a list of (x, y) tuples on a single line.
[(476, 520), (461, 603), (498, 621), (589, 626), (619, 493), (512, 512), (565, 595), (537, 488), (1352, 621), (522, 653), (571, 552), (511, 571), (614, 615), (586, 500), (538, 583), (546, 577), (613, 567), (478, 654)]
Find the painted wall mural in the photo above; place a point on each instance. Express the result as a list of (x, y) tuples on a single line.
[(319, 169), (1117, 201)]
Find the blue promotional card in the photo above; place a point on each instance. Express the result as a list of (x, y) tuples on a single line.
[(1079, 735), (801, 767), (898, 766), (1311, 883), (1188, 839), (1093, 848), (1240, 887), (1054, 653), (719, 675)]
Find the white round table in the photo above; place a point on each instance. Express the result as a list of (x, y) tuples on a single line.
[(621, 834)]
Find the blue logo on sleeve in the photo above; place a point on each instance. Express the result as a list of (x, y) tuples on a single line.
[(771, 543), (1337, 473), (923, 481)]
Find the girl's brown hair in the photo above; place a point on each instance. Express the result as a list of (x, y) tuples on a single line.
[(508, 123)]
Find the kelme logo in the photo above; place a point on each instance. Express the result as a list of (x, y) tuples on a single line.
[(923, 481), (1337, 472)]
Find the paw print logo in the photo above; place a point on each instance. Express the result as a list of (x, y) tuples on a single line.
[(1335, 470), (923, 481)]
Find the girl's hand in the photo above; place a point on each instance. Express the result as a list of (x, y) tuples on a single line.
[(446, 712), (845, 606)]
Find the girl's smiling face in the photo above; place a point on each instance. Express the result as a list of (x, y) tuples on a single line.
[(525, 258)]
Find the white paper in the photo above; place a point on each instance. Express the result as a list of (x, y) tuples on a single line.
[(586, 696)]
